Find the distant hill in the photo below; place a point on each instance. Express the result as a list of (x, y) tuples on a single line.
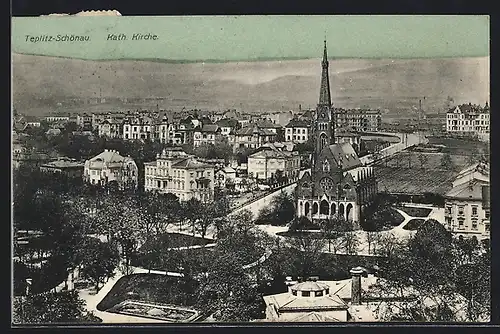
[(45, 83)]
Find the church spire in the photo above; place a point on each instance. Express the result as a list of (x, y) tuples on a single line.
[(324, 93)]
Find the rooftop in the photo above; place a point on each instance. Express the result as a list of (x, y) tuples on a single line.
[(298, 123)]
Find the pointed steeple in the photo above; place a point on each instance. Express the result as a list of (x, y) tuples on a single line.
[(324, 93)]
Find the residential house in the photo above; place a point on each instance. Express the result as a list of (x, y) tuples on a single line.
[(225, 176), (469, 120), (228, 125), (268, 162), (180, 174), (110, 128), (206, 134), (467, 207), (109, 167), (298, 130), (32, 121), (252, 137), (138, 128), (66, 166)]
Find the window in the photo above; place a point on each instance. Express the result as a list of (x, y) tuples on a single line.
[(448, 209), (326, 166), (318, 293), (487, 226), (487, 214), (159, 184), (461, 210), (294, 292), (474, 210), (306, 293), (461, 225), (474, 224)]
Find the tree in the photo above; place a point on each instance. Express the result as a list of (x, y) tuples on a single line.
[(446, 161), (99, 260), (372, 238), (306, 250), (334, 229), (61, 307), (280, 211)]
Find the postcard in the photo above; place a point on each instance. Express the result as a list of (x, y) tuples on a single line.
[(250, 169)]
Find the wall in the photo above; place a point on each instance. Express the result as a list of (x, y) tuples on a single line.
[(263, 202)]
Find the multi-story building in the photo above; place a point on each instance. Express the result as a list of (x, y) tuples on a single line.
[(252, 137), (57, 118), (206, 134), (84, 121), (268, 160), (468, 119), (467, 204), (338, 183), (110, 128), (297, 130), (180, 174), (138, 128), (366, 120), (228, 125), (281, 118), (110, 167)]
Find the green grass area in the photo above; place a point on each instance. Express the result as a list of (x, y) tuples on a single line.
[(151, 288), (416, 212), (414, 224)]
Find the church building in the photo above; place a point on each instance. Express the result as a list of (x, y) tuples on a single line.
[(338, 184)]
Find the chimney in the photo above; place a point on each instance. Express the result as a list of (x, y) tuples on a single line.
[(356, 285)]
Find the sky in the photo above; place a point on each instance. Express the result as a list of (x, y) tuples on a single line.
[(240, 38)]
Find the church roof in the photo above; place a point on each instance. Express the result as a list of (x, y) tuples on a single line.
[(345, 156)]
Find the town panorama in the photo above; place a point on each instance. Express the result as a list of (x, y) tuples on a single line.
[(317, 214)]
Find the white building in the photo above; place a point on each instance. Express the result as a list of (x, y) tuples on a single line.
[(467, 205), (297, 131), (225, 176), (180, 174), (468, 119), (267, 161), (110, 166)]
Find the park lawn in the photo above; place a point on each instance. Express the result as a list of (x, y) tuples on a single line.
[(416, 212), (414, 224), (153, 288)]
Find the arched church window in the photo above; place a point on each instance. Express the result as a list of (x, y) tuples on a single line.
[(347, 187), (326, 166), (323, 141)]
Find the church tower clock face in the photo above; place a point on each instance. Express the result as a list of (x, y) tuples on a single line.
[(326, 184)]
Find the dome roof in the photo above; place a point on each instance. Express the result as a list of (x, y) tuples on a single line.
[(310, 286)]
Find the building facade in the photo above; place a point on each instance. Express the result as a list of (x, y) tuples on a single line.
[(180, 174), (297, 130), (338, 184), (110, 167), (206, 134), (467, 204), (252, 137), (468, 119), (366, 120), (268, 162)]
